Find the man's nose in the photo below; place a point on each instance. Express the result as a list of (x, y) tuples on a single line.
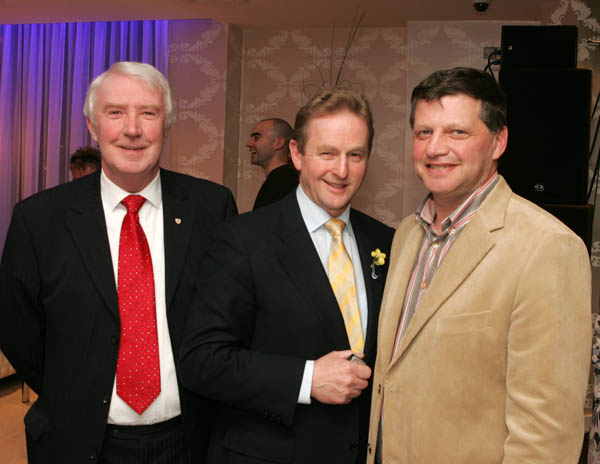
[(341, 166), (436, 146), (132, 126)]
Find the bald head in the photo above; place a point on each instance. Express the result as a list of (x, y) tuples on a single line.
[(269, 143)]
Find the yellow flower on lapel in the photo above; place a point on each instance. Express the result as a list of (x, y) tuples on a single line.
[(378, 260)]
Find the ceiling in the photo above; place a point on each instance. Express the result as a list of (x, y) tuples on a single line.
[(271, 13)]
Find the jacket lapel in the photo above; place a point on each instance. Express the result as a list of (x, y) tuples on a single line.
[(404, 254), (88, 228), (471, 247), (178, 220), (374, 287), (299, 259)]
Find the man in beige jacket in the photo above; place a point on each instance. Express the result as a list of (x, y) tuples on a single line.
[(484, 332)]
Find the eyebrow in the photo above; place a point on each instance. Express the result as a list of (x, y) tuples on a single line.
[(141, 107), (333, 148)]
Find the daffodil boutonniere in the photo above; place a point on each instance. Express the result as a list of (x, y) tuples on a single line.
[(378, 260)]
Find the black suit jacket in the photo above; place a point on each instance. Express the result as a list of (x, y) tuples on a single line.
[(263, 307), (280, 181), (59, 317)]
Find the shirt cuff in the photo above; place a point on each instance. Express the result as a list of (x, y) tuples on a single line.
[(305, 387)]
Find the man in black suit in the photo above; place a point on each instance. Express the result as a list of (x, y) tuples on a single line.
[(269, 146), (266, 337), (64, 292)]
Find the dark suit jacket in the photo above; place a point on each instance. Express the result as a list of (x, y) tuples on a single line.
[(277, 185), (59, 319), (263, 307)]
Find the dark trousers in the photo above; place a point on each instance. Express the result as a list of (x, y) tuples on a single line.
[(161, 443)]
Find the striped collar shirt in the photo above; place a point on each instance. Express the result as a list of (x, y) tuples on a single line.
[(435, 247)]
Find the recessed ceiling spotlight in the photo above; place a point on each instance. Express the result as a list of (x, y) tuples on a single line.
[(481, 7)]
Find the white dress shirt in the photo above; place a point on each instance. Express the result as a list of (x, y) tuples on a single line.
[(166, 405), (315, 218)]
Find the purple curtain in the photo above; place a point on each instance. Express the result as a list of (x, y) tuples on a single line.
[(45, 70)]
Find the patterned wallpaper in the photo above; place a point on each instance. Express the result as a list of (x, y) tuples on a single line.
[(197, 74)]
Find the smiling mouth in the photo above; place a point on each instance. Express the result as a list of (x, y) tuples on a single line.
[(336, 185), (132, 148), (439, 167)]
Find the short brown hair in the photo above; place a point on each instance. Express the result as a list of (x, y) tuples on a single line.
[(330, 101), (467, 81)]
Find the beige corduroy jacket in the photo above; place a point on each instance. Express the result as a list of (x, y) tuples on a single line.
[(494, 364)]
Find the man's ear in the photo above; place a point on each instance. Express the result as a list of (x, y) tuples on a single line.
[(91, 129), (296, 155), (500, 142), (278, 143)]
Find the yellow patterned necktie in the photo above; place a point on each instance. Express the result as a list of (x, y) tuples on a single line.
[(341, 277)]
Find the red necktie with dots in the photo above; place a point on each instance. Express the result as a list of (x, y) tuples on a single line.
[(138, 367)]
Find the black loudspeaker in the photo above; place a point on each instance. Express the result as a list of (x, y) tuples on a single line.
[(546, 160), (579, 218), (540, 47)]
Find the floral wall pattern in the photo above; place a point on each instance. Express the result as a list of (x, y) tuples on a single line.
[(197, 74)]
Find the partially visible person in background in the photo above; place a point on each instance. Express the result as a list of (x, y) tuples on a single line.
[(84, 161), (269, 148)]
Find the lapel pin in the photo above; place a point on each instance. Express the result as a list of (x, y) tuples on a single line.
[(177, 221)]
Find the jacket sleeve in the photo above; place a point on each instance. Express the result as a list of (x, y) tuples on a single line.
[(549, 344), (219, 358), (22, 325)]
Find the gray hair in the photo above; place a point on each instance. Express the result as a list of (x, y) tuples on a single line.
[(141, 71)]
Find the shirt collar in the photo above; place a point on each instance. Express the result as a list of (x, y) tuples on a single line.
[(112, 194), (314, 216), (425, 213)]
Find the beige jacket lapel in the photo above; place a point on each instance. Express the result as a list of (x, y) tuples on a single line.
[(404, 250), (473, 244)]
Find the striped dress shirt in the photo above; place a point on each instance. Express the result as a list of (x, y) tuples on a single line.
[(434, 248)]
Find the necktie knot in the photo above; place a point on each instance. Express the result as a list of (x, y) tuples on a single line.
[(335, 227), (133, 203)]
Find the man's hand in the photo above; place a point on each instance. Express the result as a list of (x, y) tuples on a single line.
[(336, 380)]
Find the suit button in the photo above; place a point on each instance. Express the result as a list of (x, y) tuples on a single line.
[(92, 457), (379, 389), (113, 340), (105, 400), (369, 448)]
